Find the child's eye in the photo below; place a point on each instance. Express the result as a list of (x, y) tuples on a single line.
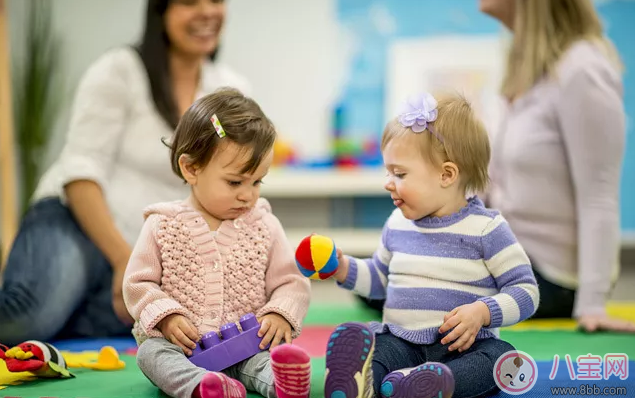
[(259, 182), (234, 183), (400, 175)]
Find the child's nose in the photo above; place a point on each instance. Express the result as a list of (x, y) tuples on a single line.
[(245, 196), (389, 185)]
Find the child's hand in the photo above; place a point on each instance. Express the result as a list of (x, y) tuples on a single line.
[(178, 330), (274, 327), (466, 320), (342, 268)]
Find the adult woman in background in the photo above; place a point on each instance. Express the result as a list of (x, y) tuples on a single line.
[(64, 273), (556, 160)]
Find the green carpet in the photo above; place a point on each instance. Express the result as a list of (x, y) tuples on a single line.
[(127, 383), (542, 345)]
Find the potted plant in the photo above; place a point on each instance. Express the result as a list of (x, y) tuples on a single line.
[(37, 95)]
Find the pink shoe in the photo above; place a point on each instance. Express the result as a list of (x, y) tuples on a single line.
[(291, 371), (217, 385)]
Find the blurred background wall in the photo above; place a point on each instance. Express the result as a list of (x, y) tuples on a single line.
[(329, 70)]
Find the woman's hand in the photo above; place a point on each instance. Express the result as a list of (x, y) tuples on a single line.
[(595, 323), (118, 305)]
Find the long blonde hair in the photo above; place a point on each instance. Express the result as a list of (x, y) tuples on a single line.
[(543, 31)]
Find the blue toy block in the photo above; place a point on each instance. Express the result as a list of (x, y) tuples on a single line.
[(215, 355)]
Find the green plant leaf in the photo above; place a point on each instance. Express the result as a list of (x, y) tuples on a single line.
[(37, 94)]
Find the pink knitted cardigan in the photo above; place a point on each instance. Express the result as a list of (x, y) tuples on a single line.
[(179, 266)]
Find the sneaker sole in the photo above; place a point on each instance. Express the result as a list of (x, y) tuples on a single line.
[(348, 362), (431, 380)]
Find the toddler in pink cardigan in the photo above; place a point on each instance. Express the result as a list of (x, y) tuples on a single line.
[(219, 254)]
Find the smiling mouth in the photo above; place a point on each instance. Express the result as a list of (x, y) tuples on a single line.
[(204, 31), (204, 34)]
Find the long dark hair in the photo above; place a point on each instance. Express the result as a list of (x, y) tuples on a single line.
[(153, 51)]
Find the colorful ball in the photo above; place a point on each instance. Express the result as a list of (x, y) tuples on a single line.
[(316, 257)]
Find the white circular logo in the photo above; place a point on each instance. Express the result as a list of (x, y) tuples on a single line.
[(515, 372)]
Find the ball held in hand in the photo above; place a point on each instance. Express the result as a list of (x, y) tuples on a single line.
[(316, 257)]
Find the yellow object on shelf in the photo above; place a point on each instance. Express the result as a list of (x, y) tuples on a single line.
[(283, 153)]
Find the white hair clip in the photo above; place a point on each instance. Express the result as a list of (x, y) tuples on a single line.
[(217, 126)]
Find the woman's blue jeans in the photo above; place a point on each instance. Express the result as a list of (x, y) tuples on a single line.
[(57, 283)]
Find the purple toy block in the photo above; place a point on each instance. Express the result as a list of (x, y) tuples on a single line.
[(216, 354)]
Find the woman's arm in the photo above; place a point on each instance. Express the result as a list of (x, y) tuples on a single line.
[(96, 127), (86, 201), (592, 119)]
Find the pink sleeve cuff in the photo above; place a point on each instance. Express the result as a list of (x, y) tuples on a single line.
[(292, 308), (154, 312)]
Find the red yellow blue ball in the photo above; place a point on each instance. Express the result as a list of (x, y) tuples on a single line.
[(316, 257)]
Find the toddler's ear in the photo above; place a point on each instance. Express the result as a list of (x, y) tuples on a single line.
[(449, 174), (188, 169)]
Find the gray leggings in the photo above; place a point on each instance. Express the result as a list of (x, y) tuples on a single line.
[(167, 367)]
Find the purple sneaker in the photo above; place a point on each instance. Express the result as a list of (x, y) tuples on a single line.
[(430, 380), (348, 362)]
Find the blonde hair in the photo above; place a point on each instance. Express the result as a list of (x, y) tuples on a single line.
[(459, 137), (543, 31)]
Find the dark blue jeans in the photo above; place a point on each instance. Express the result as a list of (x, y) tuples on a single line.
[(57, 283), (472, 369), (555, 301)]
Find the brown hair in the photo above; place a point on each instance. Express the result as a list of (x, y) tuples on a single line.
[(542, 31), (243, 121), (463, 140)]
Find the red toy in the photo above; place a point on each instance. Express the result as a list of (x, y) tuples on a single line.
[(37, 357)]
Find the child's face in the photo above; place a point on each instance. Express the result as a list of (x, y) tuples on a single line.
[(413, 182), (220, 187)]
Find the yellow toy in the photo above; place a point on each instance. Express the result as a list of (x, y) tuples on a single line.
[(283, 153), (108, 359)]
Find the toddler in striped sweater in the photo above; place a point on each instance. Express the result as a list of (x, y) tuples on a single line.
[(450, 269)]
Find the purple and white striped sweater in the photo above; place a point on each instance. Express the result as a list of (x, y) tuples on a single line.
[(426, 268)]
